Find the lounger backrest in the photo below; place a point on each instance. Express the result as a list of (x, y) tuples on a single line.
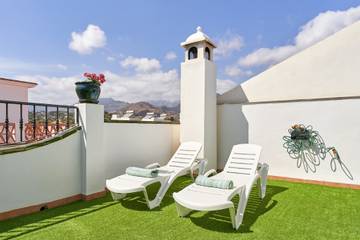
[(185, 155), (243, 160)]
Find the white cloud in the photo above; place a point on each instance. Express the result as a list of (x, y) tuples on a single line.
[(320, 27), (141, 64), (326, 24), (110, 59), (85, 42), (236, 71), (57, 90), (155, 86), (228, 44), (160, 85), (170, 55), (61, 67), (224, 85), (267, 56)]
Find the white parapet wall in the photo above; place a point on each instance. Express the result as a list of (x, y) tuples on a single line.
[(75, 167), (41, 175), (138, 144), (337, 121)]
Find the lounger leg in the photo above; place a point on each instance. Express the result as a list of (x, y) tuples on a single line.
[(151, 203), (232, 217), (238, 218), (263, 179), (118, 196), (159, 196), (181, 210)]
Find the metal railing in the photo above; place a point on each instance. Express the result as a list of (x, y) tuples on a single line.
[(28, 121)]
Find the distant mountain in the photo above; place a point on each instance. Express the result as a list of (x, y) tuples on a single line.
[(111, 105), (162, 103), (140, 108), (175, 109)]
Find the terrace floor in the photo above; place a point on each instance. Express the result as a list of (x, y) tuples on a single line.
[(289, 211)]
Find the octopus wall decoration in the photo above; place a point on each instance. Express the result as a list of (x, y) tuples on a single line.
[(307, 146)]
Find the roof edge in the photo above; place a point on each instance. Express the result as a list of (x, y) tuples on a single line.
[(18, 82)]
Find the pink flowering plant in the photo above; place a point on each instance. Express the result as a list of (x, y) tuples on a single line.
[(93, 77)]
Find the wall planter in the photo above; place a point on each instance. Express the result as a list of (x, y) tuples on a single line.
[(88, 91)]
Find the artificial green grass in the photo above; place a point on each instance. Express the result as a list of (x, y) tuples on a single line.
[(289, 211)]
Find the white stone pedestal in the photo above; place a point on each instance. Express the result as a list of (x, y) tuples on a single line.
[(91, 119)]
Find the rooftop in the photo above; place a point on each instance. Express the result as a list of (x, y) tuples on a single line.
[(291, 130)]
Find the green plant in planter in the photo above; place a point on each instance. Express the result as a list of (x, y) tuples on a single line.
[(88, 91)]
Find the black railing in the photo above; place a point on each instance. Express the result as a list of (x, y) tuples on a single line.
[(34, 121)]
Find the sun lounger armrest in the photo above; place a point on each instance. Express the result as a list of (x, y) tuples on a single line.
[(198, 164), (263, 169), (153, 165), (210, 172)]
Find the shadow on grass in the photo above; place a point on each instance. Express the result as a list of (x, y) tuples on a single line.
[(220, 220), (136, 201), (215, 221), (25, 224)]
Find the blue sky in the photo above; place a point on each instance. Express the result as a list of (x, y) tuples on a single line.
[(136, 43)]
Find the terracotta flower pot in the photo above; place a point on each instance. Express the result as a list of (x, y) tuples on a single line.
[(87, 91)]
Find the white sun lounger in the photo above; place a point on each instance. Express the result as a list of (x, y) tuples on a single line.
[(182, 162), (243, 169)]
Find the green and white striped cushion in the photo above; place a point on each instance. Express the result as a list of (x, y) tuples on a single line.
[(215, 183)]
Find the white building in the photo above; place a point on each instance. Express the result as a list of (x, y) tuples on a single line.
[(149, 117), (13, 90)]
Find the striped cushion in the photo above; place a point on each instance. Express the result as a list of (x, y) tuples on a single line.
[(142, 172), (215, 183)]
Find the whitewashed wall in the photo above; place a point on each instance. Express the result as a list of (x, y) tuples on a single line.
[(137, 144), (54, 171), (338, 122), (41, 175)]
